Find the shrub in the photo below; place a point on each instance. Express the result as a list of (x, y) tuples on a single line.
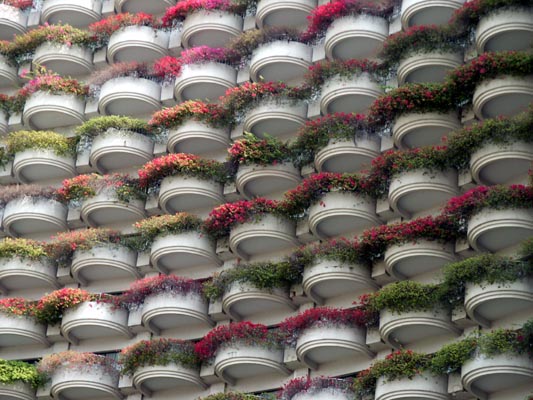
[(248, 41), (22, 248), (17, 306), (451, 357), (261, 151), (310, 385), (341, 250), (231, 396), (29, 192), (99, 125), (78, 361), (19, 141), (182, 9), (174, 117), (19, 371)]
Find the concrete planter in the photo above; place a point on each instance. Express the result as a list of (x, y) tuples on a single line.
[(505, 29), (80, 14), (280, 118), (36, 165), (105, 209), (269, 181), (84, 382), (197, 138), (355, 95), (210, 28), (154, 378), (137, 43), (20, 331), (346, 156), (207, 81), (64, 60), (129, 96), (45, 110), (12, 22), (423, 386), (427, 67), (187, 193), (18, 273), (427, 12)]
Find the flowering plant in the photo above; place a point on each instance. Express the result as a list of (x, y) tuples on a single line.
[(17, 306), (341, 250), (261, 151), (160, 351), (131, 69), (74, 360), (21, 248), (233, 335), (6, 103), (21, 4), (313, 385), (182, 9), (40, 140), (173, 117), (19, 371), (472, 11), (204, 54), (244, 44), (29, 192), (231, 396), (139, 290)]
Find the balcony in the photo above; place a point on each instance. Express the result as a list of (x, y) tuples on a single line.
[(327, 393), (485, 375), (41, 165), (105, 209), (241, 361), (20, 331), (155, 7), (347, 156), (280, 118), (187, 193), (414, 130), (282, 13), (326, 279), (129, 96), (72, 382), (326, 344), (20, 273), (349, 96), (206, 81), (266, 235), (8, 73), (281, 61), (104, 263), (355, 36), (503, 163), (407, 260), (80, 14), (338, 213), (485, 303), (12, 22), (137, 43), (412, 192), (45, 110), (194, 137), (92, 320), (505, 29), (493, 230), (410, 327), (421, 387), (210, 28), (269, 181), (3, 122), (504, 96), (64, 60), (170, 310), (243, 301), (429, 67), (172, 253), (428, 12), (154, 378), (33, 216)]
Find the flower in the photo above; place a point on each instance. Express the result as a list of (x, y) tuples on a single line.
[(173, 117), (102, 30), (310, 386)]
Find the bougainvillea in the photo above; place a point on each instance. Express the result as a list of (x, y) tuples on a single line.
[(309, 386), (182, 9), (338, 249), (21, 4), (260, 151), (173, 117), (17, 306), (244, 44), (205, 54)]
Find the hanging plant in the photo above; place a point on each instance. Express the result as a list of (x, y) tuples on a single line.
[(174, 117)]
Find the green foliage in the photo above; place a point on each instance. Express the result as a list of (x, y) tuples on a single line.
[(404, 296), (21, 248), (19, 371), (96, 126), (40, 140), (452, 356)]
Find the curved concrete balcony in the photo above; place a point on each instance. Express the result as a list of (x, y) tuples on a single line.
[(45, 110), (356, 36), (91, 320), (493, 230), (21, 331), (498, 164), (137, 43), (105, 209), (3, 122), (172, 253), (129, 96), (324, 344), (338, 213), (326, 279), (30, 216), (266, 235), (428, 12), (155, 378), (488, 302), (355, 95), (186, 193), (504, 96), (281, 61), (269, 181), (116, 149), (241, 361), (279, 118), (12, 22), (485, 375), (64, 60), (420, 190), (80, 14), (104, 263), (407, 260), (40, 165), (505, 29), (17, 391), (282, 13), (8, 73), (429, 67), (194, 137), (19, 273), (327, 393), (81, 382), (207, 81), (175, 310), (414, 130), (155, 7), (410, 327), (347, 156), (242, 301), (210, 28), (423, 386)]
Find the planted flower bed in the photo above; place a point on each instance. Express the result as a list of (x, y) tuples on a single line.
[(19, 327), (319, 388)]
